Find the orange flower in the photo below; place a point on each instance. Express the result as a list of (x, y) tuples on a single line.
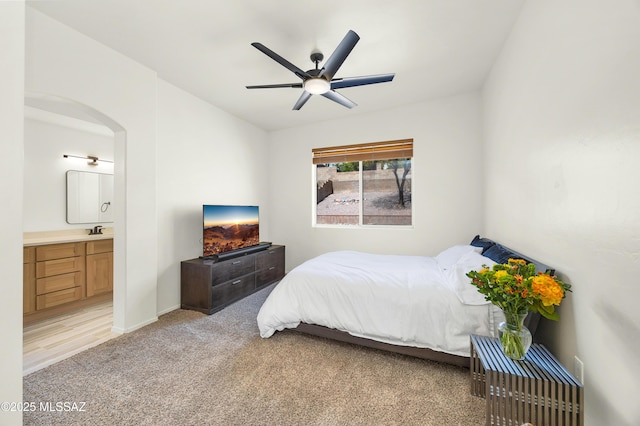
[(518, 261), (549, 290)]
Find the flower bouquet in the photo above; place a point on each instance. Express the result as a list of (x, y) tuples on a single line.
[(516, 288)]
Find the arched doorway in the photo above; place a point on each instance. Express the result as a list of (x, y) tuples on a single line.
[(78, 112)]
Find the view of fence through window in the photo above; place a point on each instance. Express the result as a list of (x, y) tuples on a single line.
[(376, 192)]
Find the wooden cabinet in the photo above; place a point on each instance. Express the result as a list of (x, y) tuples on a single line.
[(99, 265), (208, 286), (59, 274), (58, 278)]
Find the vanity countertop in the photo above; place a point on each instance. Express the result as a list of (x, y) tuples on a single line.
[(65, 236)]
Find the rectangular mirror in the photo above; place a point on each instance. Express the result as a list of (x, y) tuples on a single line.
[(89, 197)]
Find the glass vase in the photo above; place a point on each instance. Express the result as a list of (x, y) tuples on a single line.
[(514, 337)]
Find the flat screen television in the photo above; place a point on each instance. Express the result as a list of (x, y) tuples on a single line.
[(228, 228)]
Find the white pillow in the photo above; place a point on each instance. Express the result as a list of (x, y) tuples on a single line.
[(466, 292), (450, 256)]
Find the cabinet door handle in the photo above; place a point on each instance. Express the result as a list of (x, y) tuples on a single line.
[(272, 268), (236, 282), (237, 262)]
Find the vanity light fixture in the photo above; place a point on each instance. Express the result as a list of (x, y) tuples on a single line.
[(93, 160)]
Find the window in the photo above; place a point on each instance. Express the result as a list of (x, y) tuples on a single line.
[(366, 184)]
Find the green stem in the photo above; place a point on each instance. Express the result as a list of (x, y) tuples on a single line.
[(512, 345), (511, 337)]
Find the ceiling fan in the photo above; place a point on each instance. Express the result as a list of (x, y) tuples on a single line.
[(320, 81)]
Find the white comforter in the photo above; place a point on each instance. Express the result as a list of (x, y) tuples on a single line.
[(404, 300)]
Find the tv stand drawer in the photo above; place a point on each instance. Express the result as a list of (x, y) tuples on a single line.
[(226, 293), (274, 256), (233, 268)]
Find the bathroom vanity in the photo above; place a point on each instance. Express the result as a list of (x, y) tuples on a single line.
[(64, 271)]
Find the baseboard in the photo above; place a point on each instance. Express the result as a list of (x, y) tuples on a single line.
[(170, 309), (119, 330)]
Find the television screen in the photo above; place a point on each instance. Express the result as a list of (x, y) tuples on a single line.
[(227, 228)]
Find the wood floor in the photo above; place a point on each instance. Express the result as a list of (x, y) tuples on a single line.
[(52, 340)]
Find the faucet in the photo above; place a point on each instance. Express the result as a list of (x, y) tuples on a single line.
[(96, 230)]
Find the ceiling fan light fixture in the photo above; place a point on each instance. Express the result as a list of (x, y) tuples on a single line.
[(317, 85), (321, 81)]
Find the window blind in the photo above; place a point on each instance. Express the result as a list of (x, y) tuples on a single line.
[(387, 150)]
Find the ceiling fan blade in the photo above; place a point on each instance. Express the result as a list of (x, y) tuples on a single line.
[(282, 61), (337, 97), (275, 86), (339, 55), (340, 83), (302, 100)]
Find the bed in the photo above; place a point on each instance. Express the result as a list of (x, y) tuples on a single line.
[(414, 305)]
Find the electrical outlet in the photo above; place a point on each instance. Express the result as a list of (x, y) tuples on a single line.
[(578, 369)]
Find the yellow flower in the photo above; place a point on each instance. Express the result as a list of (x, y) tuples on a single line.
[(500, 274), (518, 261), (549, 290)]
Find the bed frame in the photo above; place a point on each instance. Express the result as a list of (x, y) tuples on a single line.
[(531, 323), (343, 336)]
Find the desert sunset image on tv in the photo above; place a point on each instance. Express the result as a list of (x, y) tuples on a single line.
[(227, 228)]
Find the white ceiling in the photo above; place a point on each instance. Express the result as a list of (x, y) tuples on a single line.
[(436, 47)]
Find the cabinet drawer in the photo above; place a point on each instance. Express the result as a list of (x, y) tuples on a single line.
[(99, 246), (59, 266), (235, 289), (58, 298), (269, 275), (58, 251), (59, 282), (269, 258), (231, 269)]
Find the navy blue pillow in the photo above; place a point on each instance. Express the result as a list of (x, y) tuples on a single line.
[(485, 243), (500, 254)]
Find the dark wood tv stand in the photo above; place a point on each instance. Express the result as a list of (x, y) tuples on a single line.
[(208, 286)]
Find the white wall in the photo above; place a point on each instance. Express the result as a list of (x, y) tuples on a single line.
[(45, 207), (562, 133), (205, 156), (12, 27), (447, 179), (64, 63)]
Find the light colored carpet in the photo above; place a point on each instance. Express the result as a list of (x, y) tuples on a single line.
[(193, 369)]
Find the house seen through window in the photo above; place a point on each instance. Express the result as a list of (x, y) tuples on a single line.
[(364, 184)]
